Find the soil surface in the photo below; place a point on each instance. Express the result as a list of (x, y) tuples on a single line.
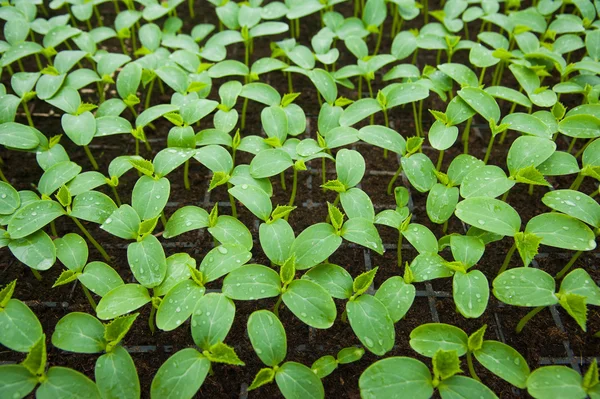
[(551, 336)]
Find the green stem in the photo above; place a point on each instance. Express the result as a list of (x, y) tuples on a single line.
[(507, 259), (391, 183), (445, 226), (344, 316), (568, 266), (323, 173), (53, 229), (244, 107), (426, 11), (294, 188), (282, 180), (465, 136), (399, 249), (28, 114), (577, 182), (489, 149), (191, 8), (276, 307), (572, 144), (90, 157), (232, 202), (3, 178), (530, 190), (98, 17), (91, 239), (37, 274), (482, 75), (89, 297), (116, 195), (416, 116), (528, 317), (151, 320), (582, 149), (149, 94), (163, 219), (438, 166), (290, 85), (470, 360), (379, 36), (186, 171), (359, 87)]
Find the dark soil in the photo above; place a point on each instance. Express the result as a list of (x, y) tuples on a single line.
[(542, 339)]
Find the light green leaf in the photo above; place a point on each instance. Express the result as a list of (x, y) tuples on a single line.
[(310, 303), (524, 286)]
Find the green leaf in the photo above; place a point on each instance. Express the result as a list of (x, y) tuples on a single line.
[(168, 159), (21, 327), (467, 249), (463, 387), (503, 361), (575, 305), (229, 230), (528, 151), (350, 355), (222, 353), (490, 215), (32, 217), (554, 382), (442, 137), (147, 261), (263, 377), (335, 279), (363, 232), (80, 333), (100, 278), (36, 250), (363, 281), (358, 111), (153, 113), (181, 376), (56, 176), (357, 204), (35, 361), (66, 383), (288, 270), (527, 244), (445, 364), (268, 337), (18, 136), (561, 231), (530, 175), (178, 305), (223, 259), (482, 102), (310, 303), (252, 282), (350, 167), (580, 126), (420, 171), (324, 366), (421, 238), (486, 181), (185, 219), (396, 377), (295, 380), (6, 293), (528, 124), (590, 379), (579, 282), (16, 381), (9, 199), (525, 286), (81, 129), (72, 251), (315, 244), (122, 300), (335, 215), (150, 196), (94, 206), (276, 239), (575, 204), (253, 198), (397, 296), (471, 293), (371, 323), (116, 375), (427, 339), (212, 319), (383, 137)]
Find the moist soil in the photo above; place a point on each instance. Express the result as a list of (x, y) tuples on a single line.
[(542, 340)]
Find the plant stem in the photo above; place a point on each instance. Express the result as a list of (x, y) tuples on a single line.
[(91, 239), (191, 7), (445, 226), (416, 116), (323, 173), (53, 229), (163, 219), (528, 317), (28, 114), (379, 36), (344, 316), (482, 75), (89, 297), (470, 359), (391, 183), (149, 94), (276, 307), (2, 177), (465, 136), (489, 149), (37, 274), (282, 180), (530, 190), (244, 107), (359, 87), (507, 259), (186, 170), (440, 160), (399, 249), (577, 182), (294, 188), (572, 144), (568, 266), (116, 195), (232, 202), (90, 157), (151, 320)]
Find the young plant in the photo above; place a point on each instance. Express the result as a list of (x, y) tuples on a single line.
[(555, 382), (525, 286), (499, 358)]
